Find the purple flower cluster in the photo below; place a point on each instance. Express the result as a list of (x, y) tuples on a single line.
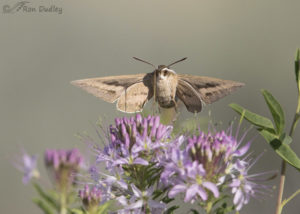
[(142, 157), (135, 140), (135, 146), (129, 131), (63, 166), (63, 158), (91, 197), (143, 166), (200, 167), (207, 164), (28, 166)]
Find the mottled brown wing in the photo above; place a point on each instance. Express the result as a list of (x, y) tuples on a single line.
[(189, 96), (109, 88), (134, 98), (211, 89)]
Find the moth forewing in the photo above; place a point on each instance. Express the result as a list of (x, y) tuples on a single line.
[(97, 88), (108, 88)]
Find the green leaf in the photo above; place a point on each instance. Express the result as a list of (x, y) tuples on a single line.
[(77, 211), (47, 197), (194, 211), (220, 199), (167, 200), (159, 192), (103, 209), (275, 110), (253, 118), (42, 205), (224, 209), (282, 148), (171, 210), (285, 139)]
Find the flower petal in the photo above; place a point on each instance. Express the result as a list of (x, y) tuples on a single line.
[(243, 150), (136, 191), (238, 197), (202, 193), (122, 200), (212, 187), (191, 192), (135, 205), (120, 161), (176, 189), (141, 161), (156, 204)]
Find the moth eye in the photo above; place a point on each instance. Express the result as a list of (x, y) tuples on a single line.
[(165, 73)]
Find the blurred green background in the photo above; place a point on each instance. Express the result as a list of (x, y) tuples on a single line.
[(40, 53)]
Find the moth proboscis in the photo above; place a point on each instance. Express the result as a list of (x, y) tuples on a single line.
[(132, 92)]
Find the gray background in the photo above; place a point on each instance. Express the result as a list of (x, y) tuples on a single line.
[(40, 53)]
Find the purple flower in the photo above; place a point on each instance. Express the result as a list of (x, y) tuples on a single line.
[(216, 151), (133, 141), (28, 166), (207, 164), (194, 184), (91, 197), (176, 164), (62, 158), (140, 152), (130, 158), (127, 130), (140, 201), (63, 166), (244, 186)]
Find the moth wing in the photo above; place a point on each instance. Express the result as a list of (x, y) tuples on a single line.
[(189, 96), (211, 89), (109, 88), (134, 98)]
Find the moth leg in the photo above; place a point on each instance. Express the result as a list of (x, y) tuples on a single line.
[(126, 100), (154, 94), (176, 107), (158, 109)]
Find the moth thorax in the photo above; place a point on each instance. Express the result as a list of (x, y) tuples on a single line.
[(166, 83)]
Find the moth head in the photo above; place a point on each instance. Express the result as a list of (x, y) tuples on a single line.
[(163, 72)]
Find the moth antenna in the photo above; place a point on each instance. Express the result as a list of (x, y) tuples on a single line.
[(177, 61), (144, 62)]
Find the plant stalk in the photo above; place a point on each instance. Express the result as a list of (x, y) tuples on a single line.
[(63, 204), (208, 208), (283, 163)]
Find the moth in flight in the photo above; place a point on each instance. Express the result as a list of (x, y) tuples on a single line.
[(131, 92)]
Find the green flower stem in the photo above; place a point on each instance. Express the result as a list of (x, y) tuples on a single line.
[(63, 193), (93, 210), (63, 203), (208, 208), (290, 198), (280, 204)]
